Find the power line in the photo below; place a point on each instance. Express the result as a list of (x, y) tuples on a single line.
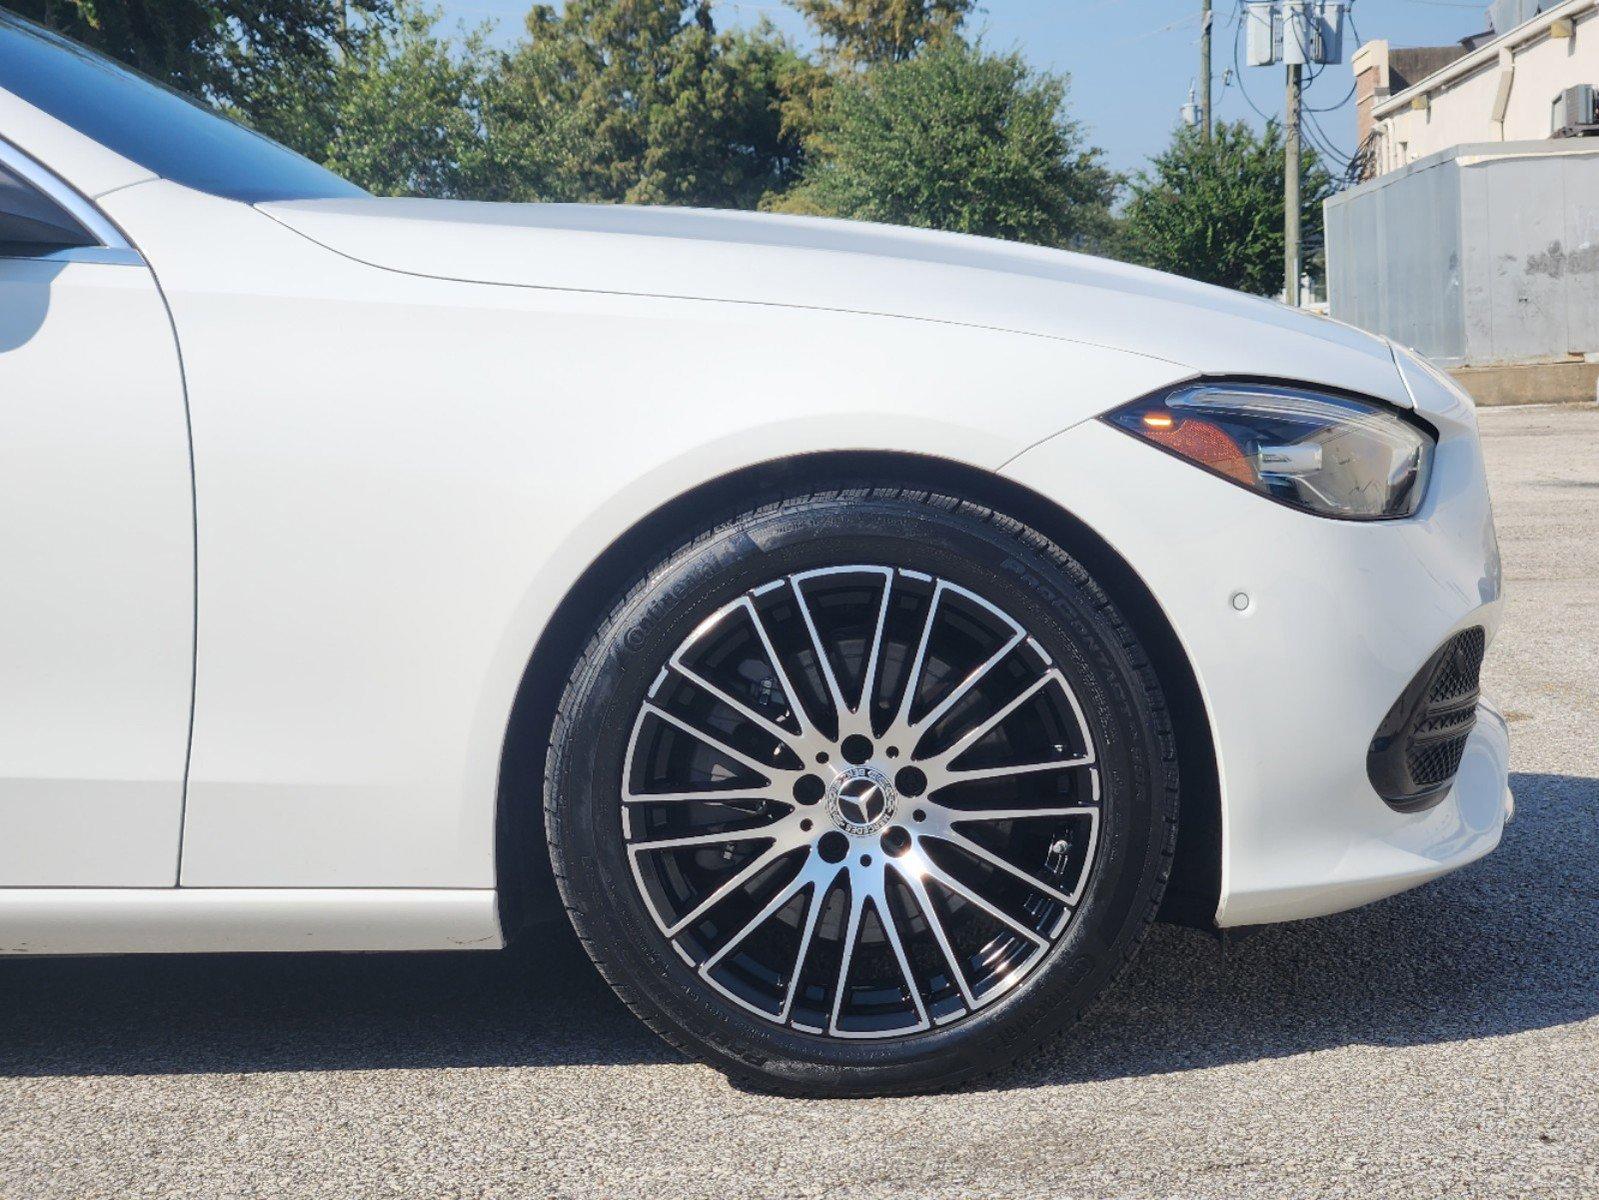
[(1238, 68), (1348, 96), (1359, 41), (1166, 28), (1326, 138), (1323, 142), (1328, 147)]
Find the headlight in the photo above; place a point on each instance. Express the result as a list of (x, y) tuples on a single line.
[(1325, 454)]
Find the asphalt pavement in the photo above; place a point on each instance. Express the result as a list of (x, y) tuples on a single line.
[(1442, 1043)]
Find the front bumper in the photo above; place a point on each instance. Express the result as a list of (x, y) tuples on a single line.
[(1301, 632)]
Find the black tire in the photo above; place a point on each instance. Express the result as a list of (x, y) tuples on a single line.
[(1073, 623)]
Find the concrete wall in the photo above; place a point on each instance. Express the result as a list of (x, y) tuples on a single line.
[(1480, 254)]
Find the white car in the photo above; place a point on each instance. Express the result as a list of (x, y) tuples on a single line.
[(862, 633)]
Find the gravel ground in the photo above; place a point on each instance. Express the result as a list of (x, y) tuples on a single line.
[(1442, 1043)]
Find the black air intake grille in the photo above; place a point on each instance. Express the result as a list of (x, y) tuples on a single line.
[(1462, 664), (1417, 749), (1435, 765)]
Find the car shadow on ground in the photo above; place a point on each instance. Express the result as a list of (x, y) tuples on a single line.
[(1508, 945)]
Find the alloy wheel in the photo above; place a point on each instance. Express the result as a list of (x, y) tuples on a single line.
[(861, 801)]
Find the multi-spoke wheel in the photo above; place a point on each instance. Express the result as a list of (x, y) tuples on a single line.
[(861, 800), (862, 793)]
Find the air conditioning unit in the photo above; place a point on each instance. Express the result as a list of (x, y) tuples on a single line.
[(1575, 112)]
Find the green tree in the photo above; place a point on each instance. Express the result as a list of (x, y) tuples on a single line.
[(962, 140), (1214, 210), (858, 32), (406, 113), (644, 101), (236, 53)]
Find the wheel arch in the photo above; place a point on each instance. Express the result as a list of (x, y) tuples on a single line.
[(522, 871)]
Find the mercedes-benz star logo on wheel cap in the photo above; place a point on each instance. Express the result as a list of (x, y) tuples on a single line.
[(861, 801)]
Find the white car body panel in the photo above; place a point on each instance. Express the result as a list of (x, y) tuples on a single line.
[(416, 425), (97, 586), (187, 920)]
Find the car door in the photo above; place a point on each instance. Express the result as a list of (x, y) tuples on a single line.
[(96, 550)]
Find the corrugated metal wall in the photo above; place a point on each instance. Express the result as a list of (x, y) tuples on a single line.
[(1481, 254)]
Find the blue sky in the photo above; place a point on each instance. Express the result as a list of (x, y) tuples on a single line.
[(1130, 61)]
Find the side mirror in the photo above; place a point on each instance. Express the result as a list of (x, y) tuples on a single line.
[(31, 223)]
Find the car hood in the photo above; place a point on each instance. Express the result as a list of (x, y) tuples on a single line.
[(850, 266)]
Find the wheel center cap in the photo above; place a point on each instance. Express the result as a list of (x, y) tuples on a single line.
[(861, 801)]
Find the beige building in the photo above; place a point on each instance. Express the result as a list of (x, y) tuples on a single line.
[(1414, 102)]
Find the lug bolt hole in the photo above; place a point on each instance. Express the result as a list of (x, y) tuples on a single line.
[(833, 846), (856, 749), (895, 841), (808, 789), (910, 781)]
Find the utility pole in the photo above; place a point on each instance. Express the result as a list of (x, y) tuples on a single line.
[(1293, 32), (1291, 188), (1204, 70)]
